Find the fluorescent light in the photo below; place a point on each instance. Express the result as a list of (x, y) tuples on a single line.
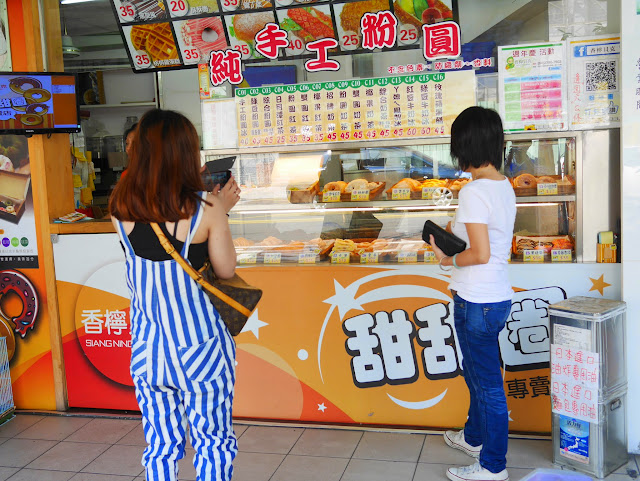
[(68, 2)]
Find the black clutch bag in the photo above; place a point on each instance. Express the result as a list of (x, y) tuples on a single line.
[(449, 243)]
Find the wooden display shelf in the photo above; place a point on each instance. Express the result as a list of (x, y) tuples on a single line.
[(84, 227)]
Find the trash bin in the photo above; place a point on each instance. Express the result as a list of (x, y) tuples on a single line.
[(589, 384), (6, 394)]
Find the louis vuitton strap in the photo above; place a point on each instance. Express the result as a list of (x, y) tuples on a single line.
[(194, 274)]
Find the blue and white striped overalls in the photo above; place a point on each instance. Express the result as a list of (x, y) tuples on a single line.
[(183, 367)]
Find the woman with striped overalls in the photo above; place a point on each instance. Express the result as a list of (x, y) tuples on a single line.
[(183, 357)]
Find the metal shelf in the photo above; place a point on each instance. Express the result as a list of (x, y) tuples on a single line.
[(376, 205)]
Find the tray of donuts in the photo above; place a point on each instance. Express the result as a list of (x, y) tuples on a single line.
[(365, 250), (528, 185), (272, 250), (354, 191), (302, 193), (546, 244)]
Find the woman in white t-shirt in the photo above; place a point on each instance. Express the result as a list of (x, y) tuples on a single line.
[(481, 290)]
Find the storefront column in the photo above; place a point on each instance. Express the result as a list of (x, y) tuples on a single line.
[(630, 181)]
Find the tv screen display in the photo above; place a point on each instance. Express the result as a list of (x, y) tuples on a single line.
[(38, 103)]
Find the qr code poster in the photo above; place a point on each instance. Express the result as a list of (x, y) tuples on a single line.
[(594, 82)]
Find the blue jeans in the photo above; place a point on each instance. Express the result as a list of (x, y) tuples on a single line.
[(478, 326)]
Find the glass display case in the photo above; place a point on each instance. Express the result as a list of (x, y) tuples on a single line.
[(367, 202)]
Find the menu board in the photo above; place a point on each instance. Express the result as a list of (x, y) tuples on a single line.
[(408, 106), (162, 34), (594, 78), (532, 87)]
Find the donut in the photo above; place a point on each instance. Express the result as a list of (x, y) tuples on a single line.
[(16, 282), (545, 179), (205, 34), (525, 180), (7, 333), (338, 185), (31, 119), (17, 83), (358, 184), (43, 96), (38, 109)]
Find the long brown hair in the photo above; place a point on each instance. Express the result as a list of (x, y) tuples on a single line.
[(163, 177)]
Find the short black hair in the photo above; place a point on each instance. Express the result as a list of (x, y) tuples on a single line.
[(129, 130), (477, 138)]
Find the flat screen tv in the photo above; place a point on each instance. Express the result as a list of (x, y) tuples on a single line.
[(38, 103)]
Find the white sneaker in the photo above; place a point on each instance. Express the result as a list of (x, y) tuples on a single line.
[(475, 472), (455, 439)]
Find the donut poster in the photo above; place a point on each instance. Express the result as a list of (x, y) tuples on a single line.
[(355, 344), (409, 106)]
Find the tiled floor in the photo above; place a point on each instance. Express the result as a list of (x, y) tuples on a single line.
[(60, 448)]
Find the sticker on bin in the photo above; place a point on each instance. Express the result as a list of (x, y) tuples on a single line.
[(574, 439), (307, 258), (272, 257), (360, 195), (369, 258), (533, 255), (331, 196), (407, 257), (427, 192), (561, 255), (401, 194), (430, 257), (547, 189), (340, 257), (248, 258)]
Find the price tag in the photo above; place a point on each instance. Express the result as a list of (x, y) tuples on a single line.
[(401, 194), (190, 55), (547, 189), (407, 257), (230, 5), (340, 257), (407, 34), (430, 257), (272, 257), (561, 255), (248, 258), (533, 255), (127, 12), (369, 258), (359, 195), (427, 193), (141, 59), (178, 8), (307, 258), (349, 40), (296, 46), (331, 196), (243, 48)]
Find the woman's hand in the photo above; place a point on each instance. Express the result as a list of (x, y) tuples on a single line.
[(229, 195), (449, 228), (436, 250)]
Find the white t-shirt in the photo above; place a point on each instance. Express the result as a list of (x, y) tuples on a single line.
[(490, 202)]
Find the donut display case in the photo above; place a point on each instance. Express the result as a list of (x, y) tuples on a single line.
[(367, 202)]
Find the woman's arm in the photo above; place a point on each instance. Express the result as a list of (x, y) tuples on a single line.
[(222, 252), (478, 252)]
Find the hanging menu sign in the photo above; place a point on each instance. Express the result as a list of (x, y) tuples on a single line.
[(594, 77), (532, 87), (407, 106), (162, 34)]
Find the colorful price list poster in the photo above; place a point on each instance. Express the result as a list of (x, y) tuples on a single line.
[(594, 78), (532, 80), (365, 109)]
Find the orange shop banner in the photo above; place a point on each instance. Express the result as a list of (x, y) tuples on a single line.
[(334, 344)]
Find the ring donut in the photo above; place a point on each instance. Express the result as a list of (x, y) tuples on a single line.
[(44, 96), (525, 180), (33, 109), (7, 333), (16, 282), (17, 83), (545, 179), (339, 186), (31, 119)]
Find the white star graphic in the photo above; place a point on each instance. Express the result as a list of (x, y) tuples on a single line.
[(509, 414), (322, 407), (344, 299), (254, 324)]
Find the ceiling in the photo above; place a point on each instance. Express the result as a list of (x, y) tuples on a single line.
[(89, 18)]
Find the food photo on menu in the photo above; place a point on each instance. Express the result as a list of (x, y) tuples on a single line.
[(348, 16), (242, 29), (152, 45), (304, 25), (198, 37), (140, 10)]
